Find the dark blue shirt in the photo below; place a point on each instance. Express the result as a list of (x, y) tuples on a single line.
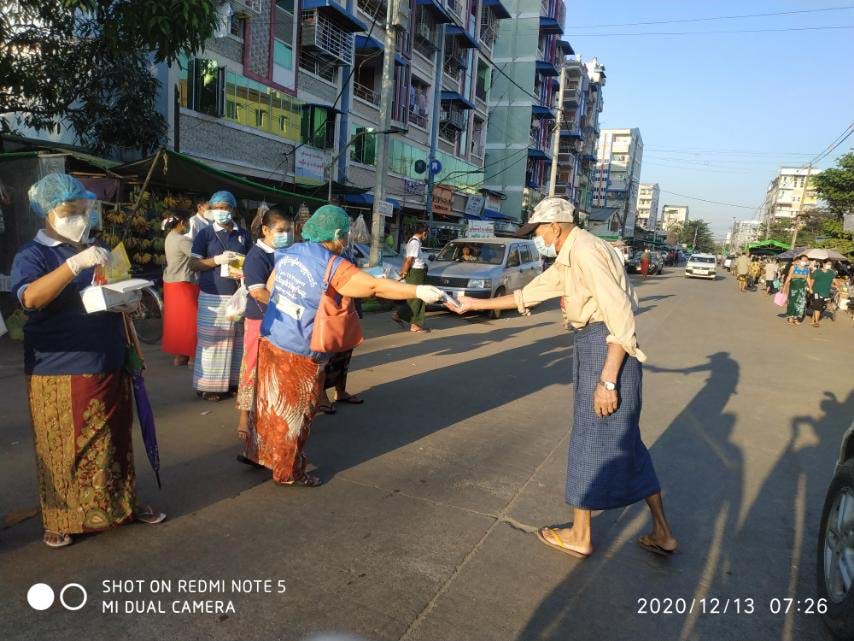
[(212, 241), (61, 338), (256, 270)]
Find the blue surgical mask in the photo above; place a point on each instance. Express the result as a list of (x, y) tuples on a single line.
[(222, 216), (282, 239), (547, 251)]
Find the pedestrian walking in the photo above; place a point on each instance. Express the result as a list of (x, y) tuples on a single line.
[(274, 231), (819, 284), (796, 290), (219, 342), (644, 262), (771, 270), (609, 466), (414, 272), (755, 272), (290, 368), (79, 391), (180, 290), (742, 270)]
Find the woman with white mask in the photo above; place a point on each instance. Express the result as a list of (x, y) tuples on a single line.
[(79, 391), (219, 341)]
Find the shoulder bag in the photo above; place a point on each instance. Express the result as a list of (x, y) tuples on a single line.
[(336, 324)]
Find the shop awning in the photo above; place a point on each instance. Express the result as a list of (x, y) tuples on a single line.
[(367, 42), (439, 14), (769, 244), (467, 41), (546, 68), (537, 154), (498, 9), (497, 215), (486, 190), (542, 112), (457, 98), (367, 200), (173, 170), (550, 25), (322, 105), (336, 13)]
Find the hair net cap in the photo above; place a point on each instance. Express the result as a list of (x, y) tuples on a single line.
[(55, 189), (223, 197), (327, 223)]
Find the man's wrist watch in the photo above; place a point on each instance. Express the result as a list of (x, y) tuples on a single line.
[(608, 385)]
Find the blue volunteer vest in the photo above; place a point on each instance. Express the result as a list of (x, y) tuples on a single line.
[(297, 289)]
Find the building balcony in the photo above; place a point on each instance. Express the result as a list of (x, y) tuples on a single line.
[(335, 13), (439, 13), (364, 93), (546, 68), (542, 113), (498, 9), (462, 38), (325, 39), (453, 118), (418, 118)]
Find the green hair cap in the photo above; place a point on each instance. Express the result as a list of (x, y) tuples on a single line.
[(327, 223)]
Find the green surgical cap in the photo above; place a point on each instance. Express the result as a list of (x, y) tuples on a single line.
[(327, 223)]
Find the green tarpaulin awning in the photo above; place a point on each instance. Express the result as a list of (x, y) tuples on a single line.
[(176, 171)]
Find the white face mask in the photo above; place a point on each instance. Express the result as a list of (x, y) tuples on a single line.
[(208, 214), (547, 251), (74, 228)]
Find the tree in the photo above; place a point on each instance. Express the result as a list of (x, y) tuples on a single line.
[(705, 241), (836, 186), (86, 64)]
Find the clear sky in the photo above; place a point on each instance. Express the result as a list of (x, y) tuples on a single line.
[(719, 113)]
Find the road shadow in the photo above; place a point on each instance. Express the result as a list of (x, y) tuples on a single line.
[(711, 485)]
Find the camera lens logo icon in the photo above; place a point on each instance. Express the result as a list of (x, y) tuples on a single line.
[(41, 596)]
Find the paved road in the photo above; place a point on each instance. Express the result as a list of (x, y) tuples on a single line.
[(423, 530)]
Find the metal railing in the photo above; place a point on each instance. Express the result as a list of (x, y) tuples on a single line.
[(417, 118), (326, 38), (453, 118), (366, 94)]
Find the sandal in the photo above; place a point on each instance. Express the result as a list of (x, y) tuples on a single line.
[(147, 514), (56, 540), (350, 398), (306, 480), (211, 396), (560, 547), (651, 546), (418, 330), (327, 408)]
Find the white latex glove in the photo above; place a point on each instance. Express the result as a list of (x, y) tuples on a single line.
[(225, 257), (429, 294), (89, 257)]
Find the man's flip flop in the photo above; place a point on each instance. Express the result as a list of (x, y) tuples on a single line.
[(541, 535), (654, 548)]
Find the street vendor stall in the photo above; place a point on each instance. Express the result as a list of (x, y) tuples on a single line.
[(767, 248)]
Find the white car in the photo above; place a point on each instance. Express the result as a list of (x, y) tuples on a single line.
[(701, 266)]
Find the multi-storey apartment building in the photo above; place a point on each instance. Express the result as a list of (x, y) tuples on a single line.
[(522, 99), (672, 215), (290, 92), (618, 170), (579, 134), (790, 194), (745, 232), (648, 194)]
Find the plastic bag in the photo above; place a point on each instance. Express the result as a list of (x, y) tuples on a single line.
[(235, 308), (780, 299), (119, 267), (359, 231)]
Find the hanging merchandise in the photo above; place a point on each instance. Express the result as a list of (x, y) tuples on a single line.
[(359, 231)]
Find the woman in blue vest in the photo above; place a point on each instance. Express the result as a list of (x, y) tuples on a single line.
[(79, 391), (219, 342), (290, 374)]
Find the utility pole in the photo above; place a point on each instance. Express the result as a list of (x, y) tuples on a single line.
[(386, 96), (556, 133), (806, 184), (694, 244), (434, 123)]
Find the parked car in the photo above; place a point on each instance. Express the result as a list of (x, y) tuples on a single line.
[(835, 549), (484, 267), (656, 263), (701, 266), (390, 257)]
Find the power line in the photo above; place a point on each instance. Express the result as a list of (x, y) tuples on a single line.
[(713, 202), (706, 33), (824, 153), (746, 15)]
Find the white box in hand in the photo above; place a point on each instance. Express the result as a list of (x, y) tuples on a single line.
[(101, 298)]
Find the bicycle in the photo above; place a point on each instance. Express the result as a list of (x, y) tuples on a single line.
[(148, 317)]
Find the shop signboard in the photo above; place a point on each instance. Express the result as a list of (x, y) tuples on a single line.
[(480, 229), (310, 165), (474, 205), (443, 199)]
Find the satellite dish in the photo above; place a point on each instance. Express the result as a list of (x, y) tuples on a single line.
[(420, 166)]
